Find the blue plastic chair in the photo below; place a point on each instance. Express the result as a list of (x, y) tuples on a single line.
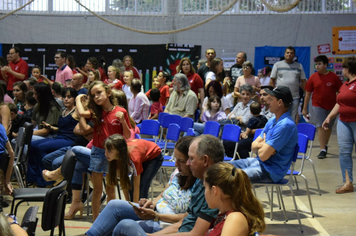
[(231, 133), (167, 120), (173, 133), (160, 119), (190, 132), (303, 146), (150, 127), (309, 130), (285, 182), (212, 127), (186, 123)]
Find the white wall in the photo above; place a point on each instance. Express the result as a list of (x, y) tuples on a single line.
[(231, 33)]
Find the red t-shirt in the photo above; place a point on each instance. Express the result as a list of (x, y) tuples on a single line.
[(324, 89), (141, 150), (156, 107), (164, 94), (20, 67), (346, 100), (195, 82), (110, 124), (102, 73), (118, 85)]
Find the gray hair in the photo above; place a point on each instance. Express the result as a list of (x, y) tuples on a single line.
[(118, 64), (210, 146), (184, 83), (247, 88)]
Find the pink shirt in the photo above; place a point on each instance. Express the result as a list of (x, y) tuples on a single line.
[(139, 107), (253, 80), (63, 74)]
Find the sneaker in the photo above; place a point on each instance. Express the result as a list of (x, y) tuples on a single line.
[(322, 155)]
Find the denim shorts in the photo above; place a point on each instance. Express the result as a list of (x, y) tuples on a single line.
[(98, 161)]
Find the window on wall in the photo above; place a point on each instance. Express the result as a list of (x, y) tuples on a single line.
[(156, 7), (135, 6)]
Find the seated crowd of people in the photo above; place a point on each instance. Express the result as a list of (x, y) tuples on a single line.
[(96, 115)]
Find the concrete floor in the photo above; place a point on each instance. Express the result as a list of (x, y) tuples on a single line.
[(334, 213)]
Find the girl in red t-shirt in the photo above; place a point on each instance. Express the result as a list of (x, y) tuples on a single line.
[(143, 157), (108, 119)]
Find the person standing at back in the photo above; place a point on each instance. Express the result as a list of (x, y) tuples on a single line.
[(289, 73), (323, 85)]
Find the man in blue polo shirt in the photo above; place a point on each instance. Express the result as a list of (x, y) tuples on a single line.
[(275, 146)]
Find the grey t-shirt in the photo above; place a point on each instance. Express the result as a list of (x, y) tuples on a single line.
[(288, 75)]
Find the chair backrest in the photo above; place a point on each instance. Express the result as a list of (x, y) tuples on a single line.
[(231, 133), (150, 127), (53, 206), (303, 146), (308, 129), (137, 136), (161, 116), (186, 123), (173, 133), (196, 115), (212, 127), (257, 133), (295, 156), (190, 132), (68, 165), (170, 119)]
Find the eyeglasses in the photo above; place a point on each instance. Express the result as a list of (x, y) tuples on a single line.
[(246, 68), (56, 58), (210, 53)]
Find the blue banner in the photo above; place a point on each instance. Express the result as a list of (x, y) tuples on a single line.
[(267, 56)]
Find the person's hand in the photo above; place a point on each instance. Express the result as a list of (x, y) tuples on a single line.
[(8, 188), (146, 203), (6, 68), (326, 123), (120, 115), (243, 135), (305, 112), (46, 125), (145, 213)]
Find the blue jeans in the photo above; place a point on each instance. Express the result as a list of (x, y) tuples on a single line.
[(346, 135), (83, 160), (115, 212), (253, 169), (198, 128), (37, 151), (50, 161), (150, 169)]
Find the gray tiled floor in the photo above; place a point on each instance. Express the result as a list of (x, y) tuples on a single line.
[(334, 214)]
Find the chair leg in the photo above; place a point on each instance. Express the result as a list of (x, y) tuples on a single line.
[(271, 202), (19, 177), (279, 193), (296, 208), (310, 203), (296, 182), (316, 177)]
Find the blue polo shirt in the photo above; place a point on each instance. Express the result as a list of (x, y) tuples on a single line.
[(282, 135), (198, 207)]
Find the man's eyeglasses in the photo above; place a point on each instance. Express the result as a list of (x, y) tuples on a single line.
[(210, 53), (55, 58)]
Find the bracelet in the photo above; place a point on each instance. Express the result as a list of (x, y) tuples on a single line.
[(156, 217), (13, 217)]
